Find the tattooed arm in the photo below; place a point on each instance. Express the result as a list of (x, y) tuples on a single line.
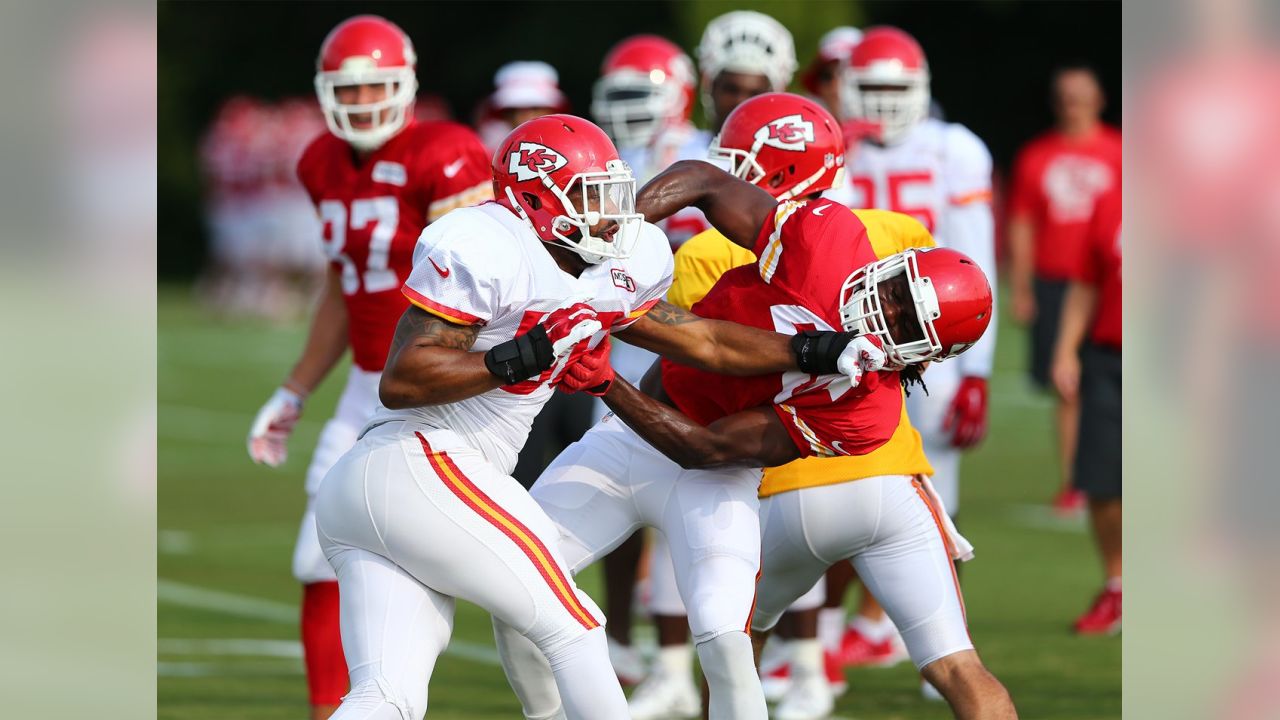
[(430, 363), (713, 345)]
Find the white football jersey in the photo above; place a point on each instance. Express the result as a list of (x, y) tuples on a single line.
[(484, 265), (939, 174)]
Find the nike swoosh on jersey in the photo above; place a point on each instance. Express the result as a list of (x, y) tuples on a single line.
[(443, 272), (817, 212), (452, 168)]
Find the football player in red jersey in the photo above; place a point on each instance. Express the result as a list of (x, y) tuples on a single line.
[(376, 178), (875, 300)]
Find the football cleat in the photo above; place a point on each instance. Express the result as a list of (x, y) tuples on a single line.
[(807, 699), (1103, 617), (1069, 502), (626, 662), (661, 696), (777, 683), (857, 651)]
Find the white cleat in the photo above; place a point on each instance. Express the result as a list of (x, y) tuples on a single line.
[(807, 699), (661, 697), (626, 662)]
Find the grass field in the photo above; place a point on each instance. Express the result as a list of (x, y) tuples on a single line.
[(227, 604)]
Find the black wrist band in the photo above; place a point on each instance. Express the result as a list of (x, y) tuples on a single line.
[(521, 357), (817, 351)]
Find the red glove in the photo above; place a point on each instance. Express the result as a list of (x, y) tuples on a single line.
[(967, 416), (568, 326), (590, 373)]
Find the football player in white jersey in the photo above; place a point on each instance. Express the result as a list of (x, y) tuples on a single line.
[(940, 173), (504, 296)]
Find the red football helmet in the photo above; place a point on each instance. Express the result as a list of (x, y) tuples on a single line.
[(563, 175), (646, 84), (787, 144), (362, 50), (887, 81), (950, 295)]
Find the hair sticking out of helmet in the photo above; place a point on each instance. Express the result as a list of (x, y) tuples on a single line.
[(646, 84), (949, 304), (745, 41), (887, 82), (366, 50), (562, 175), (787, 144)]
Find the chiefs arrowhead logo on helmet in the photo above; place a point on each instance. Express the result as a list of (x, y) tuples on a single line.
[(532, 160), (790, 132)]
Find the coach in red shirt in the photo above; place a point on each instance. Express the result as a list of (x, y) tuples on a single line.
[(1057, 179), (1089, 371)]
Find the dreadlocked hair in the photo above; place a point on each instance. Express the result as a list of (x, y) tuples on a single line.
[(910, 375)]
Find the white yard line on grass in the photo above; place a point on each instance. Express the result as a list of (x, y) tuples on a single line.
[(1043, 517), (176, 593)]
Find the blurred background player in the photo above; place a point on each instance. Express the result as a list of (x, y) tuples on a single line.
[(821, 79), (522, 90), (644, 101), (263, 229), (741, 54), (377, 177), (940, 173), (792, 148), (1087, 370), (1057, 178)]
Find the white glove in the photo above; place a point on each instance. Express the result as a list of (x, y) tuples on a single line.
[(269, 436), (861, 355)]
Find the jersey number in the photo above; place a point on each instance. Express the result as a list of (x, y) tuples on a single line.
[(384, 212), (792, 319), (897, 183)]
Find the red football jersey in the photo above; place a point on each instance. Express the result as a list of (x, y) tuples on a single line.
[(1100, 267), (1056, 182), (806, 251), (374, 210)]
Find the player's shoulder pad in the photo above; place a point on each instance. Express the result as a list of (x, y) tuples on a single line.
[(709, 241), (964, 149), (440, 130), (650, 260), (442, 139), (321, 147), (470, 237)]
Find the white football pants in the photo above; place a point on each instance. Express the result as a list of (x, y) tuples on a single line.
[(891, 532), (357, 404), (602, 489), (412, 518)]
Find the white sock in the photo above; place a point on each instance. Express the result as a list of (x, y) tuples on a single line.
[(675, 661), (731, 678), (874, 630), (806, 659), (830, 627)]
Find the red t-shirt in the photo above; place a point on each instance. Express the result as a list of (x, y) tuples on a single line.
[(806, 252), (1056, 182), (1100, 267), (373, 212)]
